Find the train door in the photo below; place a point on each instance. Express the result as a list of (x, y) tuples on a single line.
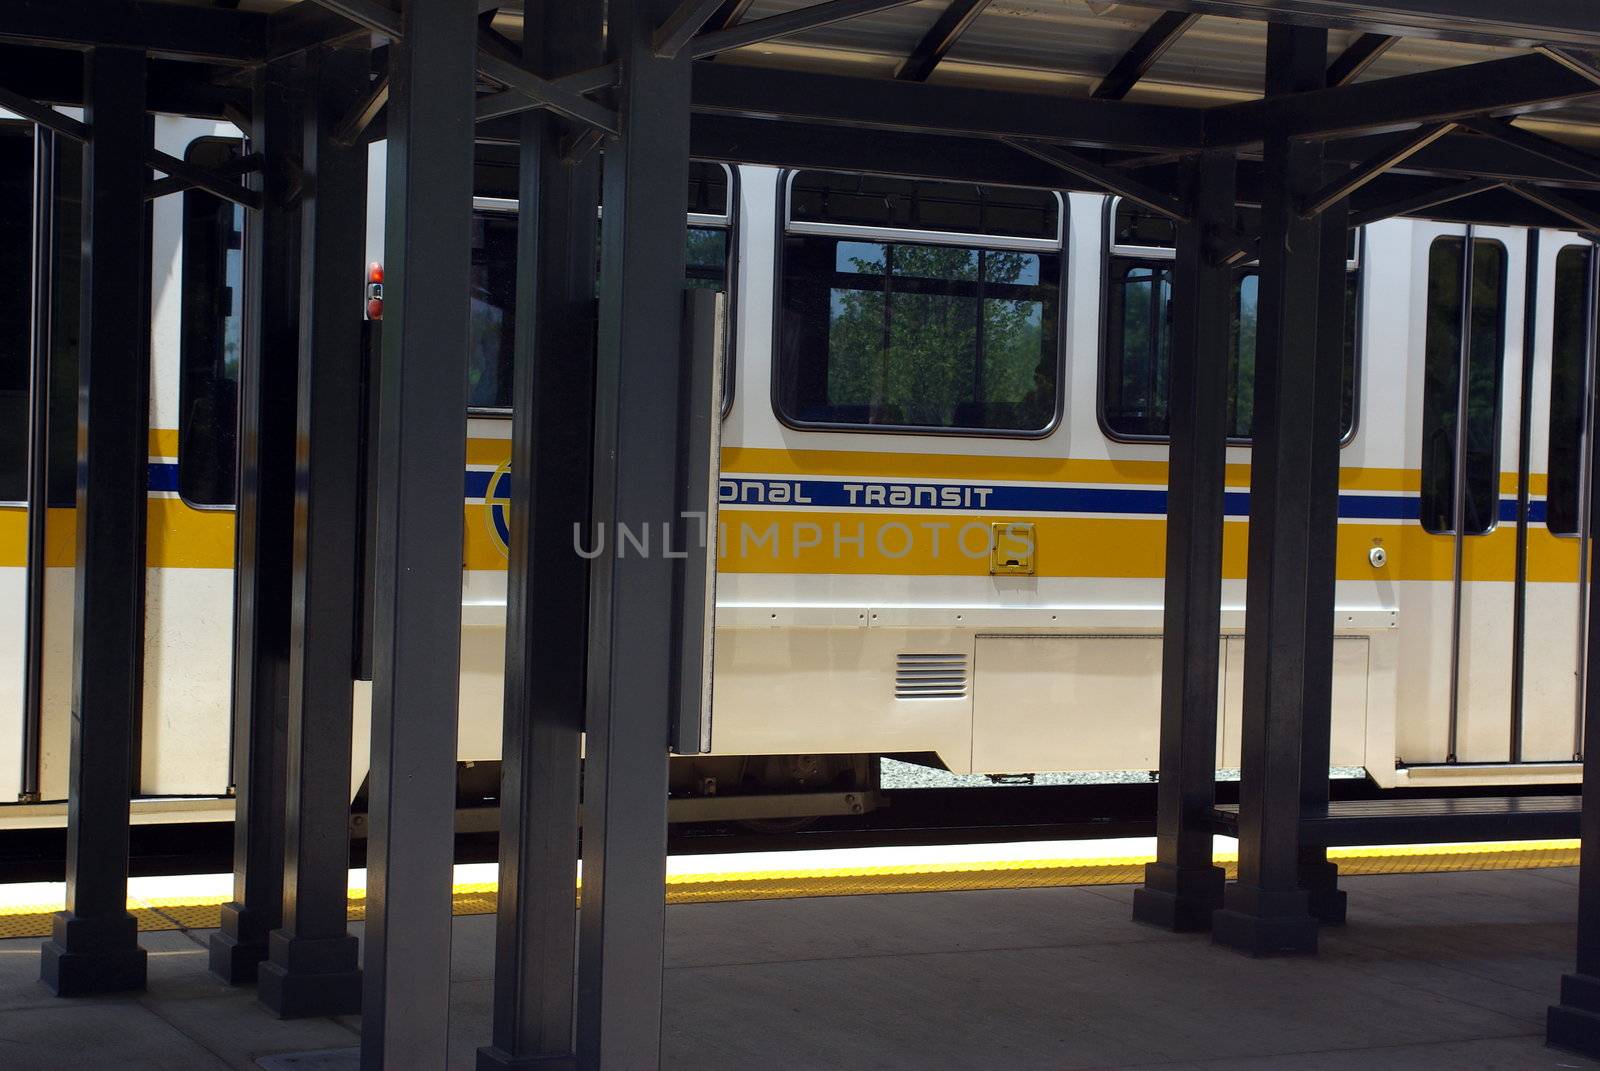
[(17, 168), (40, 180), (1549, 612), (197, 285), (1500, 615)]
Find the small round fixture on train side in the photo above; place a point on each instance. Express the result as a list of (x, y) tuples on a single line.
[(1378, 557)]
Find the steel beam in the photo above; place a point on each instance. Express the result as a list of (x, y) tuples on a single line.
[(783, 143), (511, 102), (361, 114), (547, 94), (1421, 202), (1361, 54), (1318, 876), (264, 536), (1580, 216), (44, 115), (372, 14), (1574, 1023), (1581, 63), (421, 455), (1183, 887), (94, 944), (297, 27), (490, 61), (728, 14), (631, 616), (1265, 911), (55, 76), (786, 24), (1558, 152), (547, 589), (1108, 179), (312, 969), (684, 22), (235, 168), (732, 89), (1524, 25), (1514, 86), (1145, 53), (1464, 156), (202, 178), (736, 139), (941, 37), (1399, 149), (205, 34)]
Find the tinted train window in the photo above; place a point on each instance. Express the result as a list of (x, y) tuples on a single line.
[(1138, 328), (494, 277), (212, 336), (16, 275), (494, 308), (1445, 406), (65, 321), (915, 304), (1138, 324), (1569, 353)]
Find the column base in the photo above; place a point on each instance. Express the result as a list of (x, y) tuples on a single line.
[(239, 947), (85, 956), (308, 977), (1179, 899), (1574, 1024), (1320, 880), (492, 1058), (1261, 923)]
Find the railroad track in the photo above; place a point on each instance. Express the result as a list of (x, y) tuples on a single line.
[(911, 817)]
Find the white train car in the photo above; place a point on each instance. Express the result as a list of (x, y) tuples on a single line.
[(943, 486)]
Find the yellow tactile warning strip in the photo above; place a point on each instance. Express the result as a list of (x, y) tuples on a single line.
[(479, 899)]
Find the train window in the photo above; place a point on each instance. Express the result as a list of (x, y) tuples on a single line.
[(494, 303), (494, 277), (65, 322), (210, 342), (1138, 323), (1444, 403), (1242, 356), (1570, 348), (1138, 317), (919, 306), (16, 273)]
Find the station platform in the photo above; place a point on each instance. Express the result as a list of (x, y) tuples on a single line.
[(1435, 969)]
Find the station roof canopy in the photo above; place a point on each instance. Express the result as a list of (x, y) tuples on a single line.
[(1464, 109)]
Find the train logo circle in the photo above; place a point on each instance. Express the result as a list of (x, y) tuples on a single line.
[(497, 515)]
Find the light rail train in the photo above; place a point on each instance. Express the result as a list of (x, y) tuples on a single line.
[(942, 497)]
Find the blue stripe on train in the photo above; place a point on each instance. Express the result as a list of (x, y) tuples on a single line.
[(163, 476)]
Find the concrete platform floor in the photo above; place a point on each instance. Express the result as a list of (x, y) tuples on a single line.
[(1447, 971)]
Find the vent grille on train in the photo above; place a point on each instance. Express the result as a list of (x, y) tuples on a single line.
[(930, 676)]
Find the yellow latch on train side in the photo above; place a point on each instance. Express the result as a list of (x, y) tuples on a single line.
[(1012, 548)]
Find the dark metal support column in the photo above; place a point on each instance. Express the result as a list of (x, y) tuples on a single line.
[(632, 624), (41, 316), (1319, 877), (313, 966), (547, 595), (421, 459), (264, 544), (94, 946), (1519, 578), (1182, 887), (1265, 911), (1575, 1022)]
